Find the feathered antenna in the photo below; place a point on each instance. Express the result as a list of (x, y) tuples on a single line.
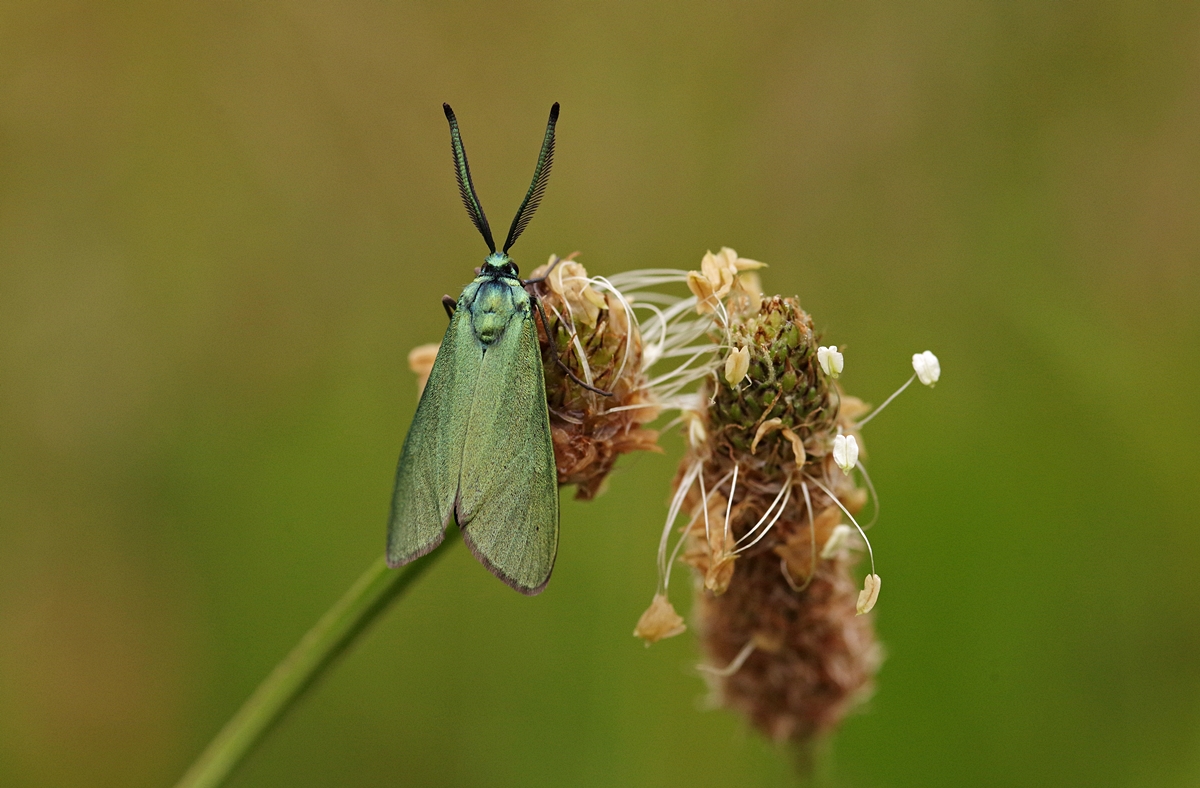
[(537, 188), (463, 173)]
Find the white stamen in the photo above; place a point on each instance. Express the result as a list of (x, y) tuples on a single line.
[(687, 351), (685, 484), (732, 667), (878, 410), (583, 359), (683, 537), (812, 540), (870, 593), (774, 519), (736, 365), (874, 496), (579, 353), (779, 495), (845, 452), (841, 532), (827, 491), (674, 554), (603, 284), (831, 360), (927, 367), (729, 503)]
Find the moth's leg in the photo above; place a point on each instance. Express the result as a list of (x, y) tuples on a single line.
[(549, 270), (546, 325), (449, 304), (546, 275)]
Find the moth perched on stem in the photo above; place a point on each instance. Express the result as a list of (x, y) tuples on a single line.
[(479, 450)]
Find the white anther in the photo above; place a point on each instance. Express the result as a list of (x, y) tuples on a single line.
[(927, 367), (870, 592), (831, 360), (845, 452), (737, 363), (841, 533)]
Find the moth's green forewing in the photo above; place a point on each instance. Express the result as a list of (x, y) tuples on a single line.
[(508, 493), (428, 472)]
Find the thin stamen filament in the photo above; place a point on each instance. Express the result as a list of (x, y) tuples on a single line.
[(774, 520), (765, 515), (874, 496), (604, 284), (729, 503), (685, 484), (732, 667), (895, 394), (683, 537), (862, 533), (813, 541)]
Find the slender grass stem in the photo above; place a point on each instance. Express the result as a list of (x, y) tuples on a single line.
[(320, 647)]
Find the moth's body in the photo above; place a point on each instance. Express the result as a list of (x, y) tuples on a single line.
[(479, 450), (495, 298)]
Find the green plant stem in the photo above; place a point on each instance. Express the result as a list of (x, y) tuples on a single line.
[(317, 650)]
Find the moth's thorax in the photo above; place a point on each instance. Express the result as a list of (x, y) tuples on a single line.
[(493, 300), (500, 264)]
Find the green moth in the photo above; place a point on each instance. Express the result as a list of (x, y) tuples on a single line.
[(479, 449)]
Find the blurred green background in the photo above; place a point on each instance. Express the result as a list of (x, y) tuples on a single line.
[(223, 225)]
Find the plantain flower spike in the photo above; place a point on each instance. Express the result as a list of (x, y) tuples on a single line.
[(758, 508)]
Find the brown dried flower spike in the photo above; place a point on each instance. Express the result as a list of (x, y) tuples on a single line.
[(772, 443), (596, 335)]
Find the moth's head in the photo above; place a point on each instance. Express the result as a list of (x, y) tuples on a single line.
[(500, 264)]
